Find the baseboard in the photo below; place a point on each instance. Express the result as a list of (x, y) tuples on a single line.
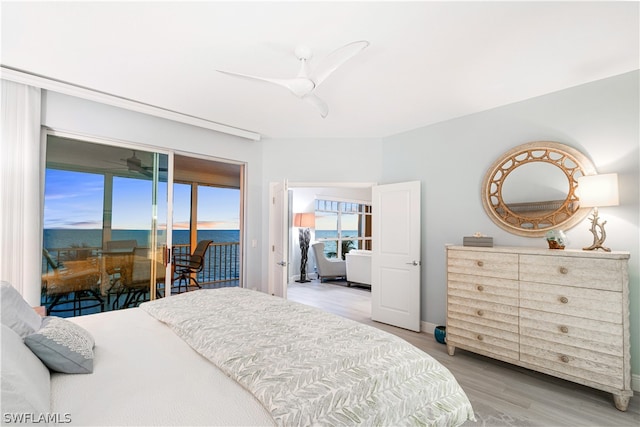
[(428, 328)]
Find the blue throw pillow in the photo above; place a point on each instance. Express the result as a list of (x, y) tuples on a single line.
[(62, 346)]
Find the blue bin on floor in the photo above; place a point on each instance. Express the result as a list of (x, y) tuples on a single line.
[(440, 332)]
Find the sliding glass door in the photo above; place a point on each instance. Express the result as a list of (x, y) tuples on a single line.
[(105, 225)]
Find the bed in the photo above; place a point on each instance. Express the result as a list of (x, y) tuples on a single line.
[(235, 357)]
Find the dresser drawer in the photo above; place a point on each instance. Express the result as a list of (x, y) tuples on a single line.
[(592, 304), (593, 273), (486, 264), (481, 314), (576, 362), (502, 291), (592, 335), (489, 341)]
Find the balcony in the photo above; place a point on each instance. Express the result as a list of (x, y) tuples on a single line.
[(82, 280), (221, 267)]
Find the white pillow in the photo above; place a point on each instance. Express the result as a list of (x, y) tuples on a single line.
[(26, 386), (16, 313)]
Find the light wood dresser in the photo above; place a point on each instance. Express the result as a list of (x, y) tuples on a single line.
[(561, 312)]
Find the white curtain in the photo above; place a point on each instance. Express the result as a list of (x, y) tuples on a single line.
[(20, 190)]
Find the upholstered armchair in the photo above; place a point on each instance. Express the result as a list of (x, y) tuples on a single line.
[(328, 267), (359, 267)]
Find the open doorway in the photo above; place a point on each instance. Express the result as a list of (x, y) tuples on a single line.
[(395, 257), (208, 205), (342, 224)]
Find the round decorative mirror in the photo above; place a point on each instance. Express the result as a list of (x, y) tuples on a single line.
[(531, 189)]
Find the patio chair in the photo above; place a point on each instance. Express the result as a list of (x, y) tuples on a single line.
[(117, 263), (75, 282), (188, 266)]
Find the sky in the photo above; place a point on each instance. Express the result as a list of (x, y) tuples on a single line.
[(328, 221), (75, 200)]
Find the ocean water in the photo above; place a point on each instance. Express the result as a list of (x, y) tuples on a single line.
[(330, 246), (68, 238)]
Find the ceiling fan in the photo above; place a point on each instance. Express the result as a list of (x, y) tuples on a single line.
[(134, 164), (306, 82)]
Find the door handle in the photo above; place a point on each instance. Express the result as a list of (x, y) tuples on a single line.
[(282, 263), (166, 255), (414, 263)]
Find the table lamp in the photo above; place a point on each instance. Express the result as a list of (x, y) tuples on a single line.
[(596, 191), (304, 221)]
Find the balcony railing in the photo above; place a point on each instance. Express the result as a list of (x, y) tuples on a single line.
[(221, 267)]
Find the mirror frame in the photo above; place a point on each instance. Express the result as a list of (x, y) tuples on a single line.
[(564, 216)]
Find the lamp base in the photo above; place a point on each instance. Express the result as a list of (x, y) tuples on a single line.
[(598, 240), (303, 281)]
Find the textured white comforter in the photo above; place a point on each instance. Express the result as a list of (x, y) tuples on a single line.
[(144, 375), (308, 367)]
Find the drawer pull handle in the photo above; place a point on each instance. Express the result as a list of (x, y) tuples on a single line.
[(480, 288), (564, 300), (480, 338), (564, 358), (564, 329), (564, 270), (480, 263), (480, 313)]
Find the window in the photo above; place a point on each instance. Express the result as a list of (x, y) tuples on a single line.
[(343, 226)]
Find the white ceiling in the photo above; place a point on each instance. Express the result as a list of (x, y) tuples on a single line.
[(427, 61)]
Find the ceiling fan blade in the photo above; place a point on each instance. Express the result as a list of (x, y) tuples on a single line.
[(318, 103), (299, 86), (335, 59)]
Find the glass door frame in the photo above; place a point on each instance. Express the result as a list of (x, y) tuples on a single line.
[(153, 249), (242, 208)]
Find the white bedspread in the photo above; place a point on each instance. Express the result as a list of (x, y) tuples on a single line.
[(308, 367), (144, 375)]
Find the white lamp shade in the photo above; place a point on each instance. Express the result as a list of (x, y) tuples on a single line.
[(304, 220), (598, 190)]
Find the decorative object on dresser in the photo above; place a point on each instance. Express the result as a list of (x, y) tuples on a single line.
[(531, 188), (304, 221), (563, 313), (556, 239), (478, 239), (597, 191)]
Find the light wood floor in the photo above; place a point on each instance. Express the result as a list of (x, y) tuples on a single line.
[(502, 394)]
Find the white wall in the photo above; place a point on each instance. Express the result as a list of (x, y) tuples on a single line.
[(600, 119), (67, 113)]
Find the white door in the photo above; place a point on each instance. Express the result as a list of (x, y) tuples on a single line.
[(395, 262), (278, 233)]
